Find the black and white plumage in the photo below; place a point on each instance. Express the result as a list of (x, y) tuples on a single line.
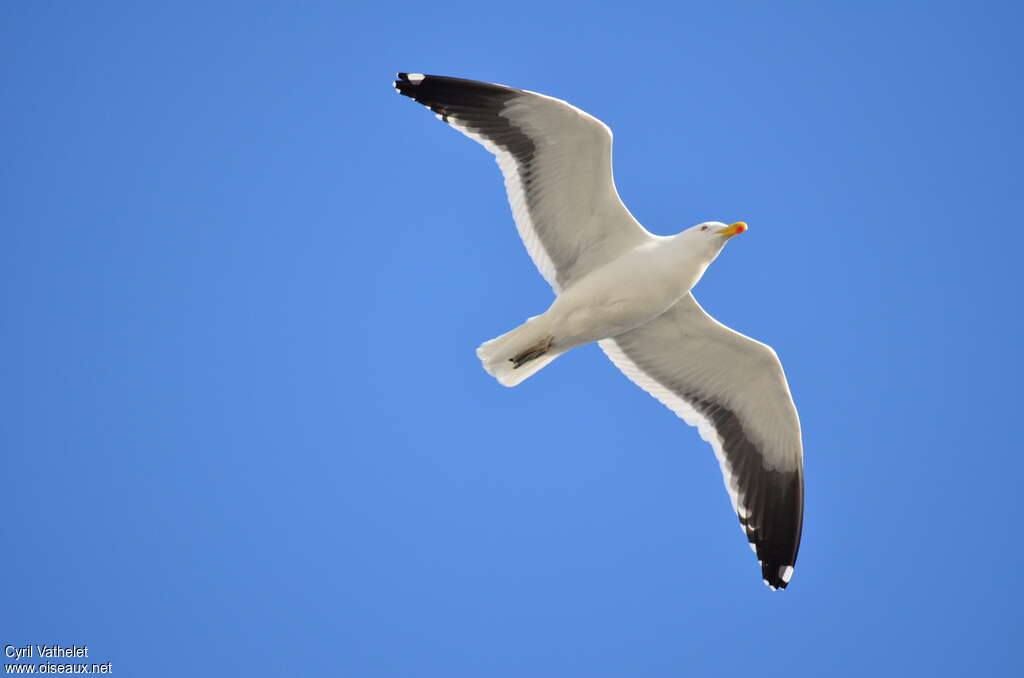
[(629, 291)]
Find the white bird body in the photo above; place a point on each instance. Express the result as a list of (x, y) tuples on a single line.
[(627, 292), (630, 291)]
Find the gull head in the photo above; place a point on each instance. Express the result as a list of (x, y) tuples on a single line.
[(712, 235)]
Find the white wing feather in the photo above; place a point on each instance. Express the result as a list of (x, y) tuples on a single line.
[(557, 165), (732, 388)]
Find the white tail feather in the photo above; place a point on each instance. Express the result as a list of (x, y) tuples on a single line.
[(496, 354)]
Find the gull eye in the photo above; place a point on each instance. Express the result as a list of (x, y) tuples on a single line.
[(703, 228)]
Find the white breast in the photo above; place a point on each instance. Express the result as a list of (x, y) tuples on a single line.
[(626, 293)]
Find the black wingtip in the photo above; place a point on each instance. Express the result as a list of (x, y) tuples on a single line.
[(776, 576), (444, 85), (407, 83)]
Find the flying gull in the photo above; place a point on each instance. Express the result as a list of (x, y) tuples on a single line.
[(629, 290)]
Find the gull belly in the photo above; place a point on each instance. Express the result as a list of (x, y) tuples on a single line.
[(626, 293)]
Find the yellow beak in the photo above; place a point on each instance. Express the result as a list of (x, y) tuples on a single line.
[(733, 229)]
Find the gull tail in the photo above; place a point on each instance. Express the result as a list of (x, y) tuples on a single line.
[(518, 354)]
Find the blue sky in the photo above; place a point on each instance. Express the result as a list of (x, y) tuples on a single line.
[(245, 430)]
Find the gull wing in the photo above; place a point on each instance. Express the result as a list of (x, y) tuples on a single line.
[(734, 391), (557, 164)]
